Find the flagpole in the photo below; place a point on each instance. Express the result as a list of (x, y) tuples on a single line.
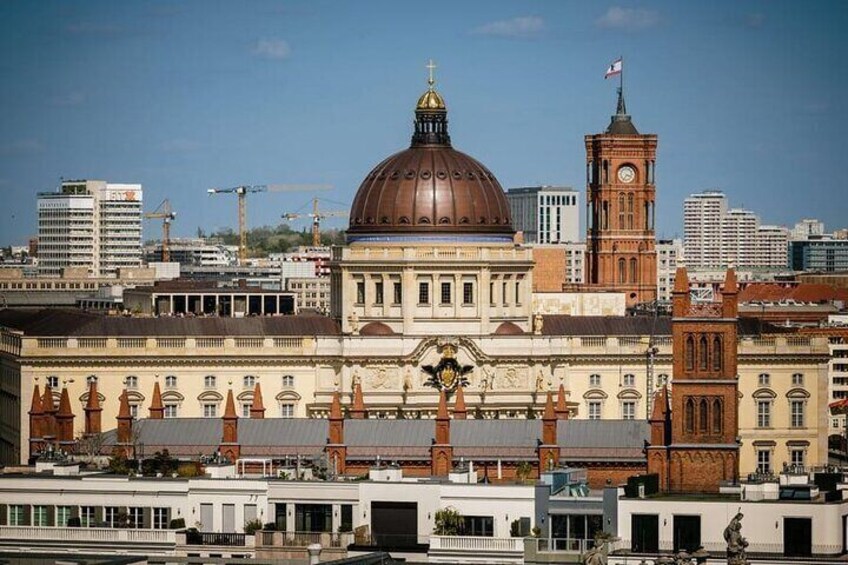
[(621, 76)]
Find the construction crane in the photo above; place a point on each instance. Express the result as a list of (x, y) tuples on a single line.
[(167, 215), (316, 216), (242, 191)]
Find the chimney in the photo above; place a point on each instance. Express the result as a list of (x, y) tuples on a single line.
[(36, 415), (657, 452), (460, 412), (229, 443), (357, 411), (680, 294), (336, 448), (257, 409), (125, 424), (561, 405), (48, 420), (549, 451), (729, 302), (441, 452), (92, 410), (65, 420), (157, 409)]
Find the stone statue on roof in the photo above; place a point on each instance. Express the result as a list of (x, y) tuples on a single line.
[(736, 544), (598, 554)]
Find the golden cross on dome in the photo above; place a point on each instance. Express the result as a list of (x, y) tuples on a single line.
[(431, 66)]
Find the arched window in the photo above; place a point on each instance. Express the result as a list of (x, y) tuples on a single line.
[(630, 211), (718, 416), (690, 353), (703, 353), (621, 211), (622, 270), (703, 416), (690, 416), (717, 354), (633, 269)]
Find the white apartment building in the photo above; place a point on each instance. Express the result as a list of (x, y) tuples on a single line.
[(195, 251), (807, 227), (718, 236), (546, 214), (669, 257), (91, 224), (575, 262)]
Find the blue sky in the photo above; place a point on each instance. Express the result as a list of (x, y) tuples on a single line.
[(747, 97)]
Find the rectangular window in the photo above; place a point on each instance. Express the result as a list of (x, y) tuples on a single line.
[(796, 410), (17, 515), (423, 293), (798, 379), (796, 457), (594, 380), (209, 381), (287, 410), (503, 296), (492, 293), (378, 293), (518, 292), (87, 516), (134, 411), (161, 518), (360, 292), (136, 517), (210, 410), (63, 514), (628, 410), (764, 461), (245, 409), (468, 293), (170, 411), (482, 526), (110, 516), (629, 380), (763, 413), (595, 410), (446, 293), (288, 381), (764, 379), (398, 293)]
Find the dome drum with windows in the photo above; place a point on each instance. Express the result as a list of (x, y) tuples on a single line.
[(430, 191)]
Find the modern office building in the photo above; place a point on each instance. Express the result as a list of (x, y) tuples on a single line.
[(820, 254), (546, 214), (91, 224), (194, 252), (718, 236)]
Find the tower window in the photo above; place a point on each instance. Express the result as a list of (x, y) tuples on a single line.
[(690, 416), (621, 211), (703, 416), (703, 353), (622, 271), (633, 270), (718, 416), (630, 211), (717, 354)]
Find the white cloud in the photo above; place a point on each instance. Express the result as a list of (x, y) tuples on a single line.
[(521, 27), (272, 49), (628, 18)]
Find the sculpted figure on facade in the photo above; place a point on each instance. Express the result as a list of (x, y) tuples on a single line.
[(353, 319), (510, 378), (736, 543), (538, 323), (598, 554)]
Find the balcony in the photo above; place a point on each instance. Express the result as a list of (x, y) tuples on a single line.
[(475, 549), (304, 539), (74, 539)]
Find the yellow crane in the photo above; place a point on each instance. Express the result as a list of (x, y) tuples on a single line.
[(243, 191), (167, 215), (316, 216)]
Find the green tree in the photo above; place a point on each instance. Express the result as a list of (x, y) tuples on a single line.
[(448, 522)]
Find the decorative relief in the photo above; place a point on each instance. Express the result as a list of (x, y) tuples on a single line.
[(382, 378)]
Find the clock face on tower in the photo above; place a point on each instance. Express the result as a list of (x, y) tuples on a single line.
[(626, 174)]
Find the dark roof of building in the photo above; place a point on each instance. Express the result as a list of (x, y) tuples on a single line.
[(559, 324), (61, 322)]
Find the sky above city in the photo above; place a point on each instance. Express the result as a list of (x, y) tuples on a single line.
[(185, 96)]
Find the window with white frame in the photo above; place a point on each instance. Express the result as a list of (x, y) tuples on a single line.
[(53, 381), (160, 518), (17, 515), (595, 380), (287, 410), (210, 381), (249, 381), (797, 456), (170, 410), (629, 380), (288, 381), (171, 381), (110, 516), (210, 410), (87, 516), (796, 413), (594, 409), (131, 382), (763, 413), (764, 379), (245, 409), (628, 410), (764, 460), (136, 516), (63, 514), (798, 379), (39, 516)]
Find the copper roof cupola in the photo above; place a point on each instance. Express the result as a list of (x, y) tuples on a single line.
[(430, 190)]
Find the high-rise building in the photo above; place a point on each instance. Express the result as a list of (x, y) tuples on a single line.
[(669, 257), (822, 254), (806, 228), (716, 236), (91, 224), (620, 253), (546, 214)]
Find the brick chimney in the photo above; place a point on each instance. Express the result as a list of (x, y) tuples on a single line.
[(657, 452), (229, 442), (729, 294), (460, 412), (65, 421), (157, 409), (336, 448), (680, 294), (257, 409), (549, 451), (93, 410), (441, 452)]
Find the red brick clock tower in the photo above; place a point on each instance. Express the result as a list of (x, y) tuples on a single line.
[(620, 195)]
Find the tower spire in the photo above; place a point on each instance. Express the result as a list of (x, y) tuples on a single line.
[(431, 123)]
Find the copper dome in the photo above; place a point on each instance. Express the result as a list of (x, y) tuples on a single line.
[(430, 189)]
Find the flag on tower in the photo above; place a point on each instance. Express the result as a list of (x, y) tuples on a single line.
[(614, 69)]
